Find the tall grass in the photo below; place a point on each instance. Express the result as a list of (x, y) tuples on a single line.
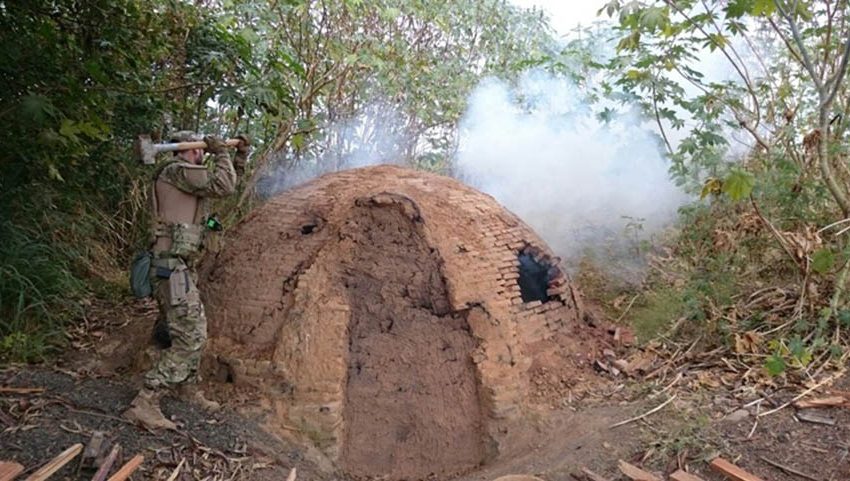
[(38, 293)]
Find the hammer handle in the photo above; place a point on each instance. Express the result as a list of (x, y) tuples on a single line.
[(191, 145)]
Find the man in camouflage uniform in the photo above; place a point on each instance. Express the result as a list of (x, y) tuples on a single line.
[(180, 192)]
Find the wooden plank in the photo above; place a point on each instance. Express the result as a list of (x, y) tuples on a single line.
[(9, 469), (593, 476), (636, 474), (731, 471), (824, 402), (103, 471), (683, 476), (56, 463), (128, 468), (21, 390)]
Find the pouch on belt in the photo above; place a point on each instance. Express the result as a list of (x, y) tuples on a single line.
[(178, 285)]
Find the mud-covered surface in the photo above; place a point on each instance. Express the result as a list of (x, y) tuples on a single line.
[(412, 409), (379, 312), (64, 409)]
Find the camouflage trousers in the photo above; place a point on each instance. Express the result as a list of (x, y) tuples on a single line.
[(180, 304)]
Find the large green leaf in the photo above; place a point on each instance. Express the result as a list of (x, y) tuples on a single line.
[(738, 184), (823, 260), (774, 365)]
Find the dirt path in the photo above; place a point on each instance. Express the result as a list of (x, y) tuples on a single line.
[(40, 425)]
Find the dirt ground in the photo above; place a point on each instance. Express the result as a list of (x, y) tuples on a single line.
[(569, 429), (552, 443), (68, 408)]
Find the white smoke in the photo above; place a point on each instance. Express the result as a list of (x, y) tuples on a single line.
[(585, 186), (373, 135)]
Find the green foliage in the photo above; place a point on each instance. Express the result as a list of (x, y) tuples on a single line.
[(739, 184), (93, 75), (656, 313), (822, 261), (413, 62), (774, 365), (787, 63), (36, 283), (83, 79)]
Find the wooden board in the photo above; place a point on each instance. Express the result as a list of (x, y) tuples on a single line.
[(731, 471), (683, 476), (128, 468), (56, 463), (636, 474), (8, 470)]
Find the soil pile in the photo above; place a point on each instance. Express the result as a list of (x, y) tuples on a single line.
[(390, 316)]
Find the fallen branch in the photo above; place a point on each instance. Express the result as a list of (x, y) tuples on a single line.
[(651, 411), (805, 393), (812, 417), (788, 469), (626, 311), (101, 473), (21, 390), (8, 470), (292, 475), (825, 402), (636, 474), (176, 470)]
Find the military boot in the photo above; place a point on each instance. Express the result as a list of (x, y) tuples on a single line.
[(190, 392), (144, 409)]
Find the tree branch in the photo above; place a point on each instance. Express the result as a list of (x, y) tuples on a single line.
[(835, 83), (732, 61), (785, 39), (658, 121), (795, 33)]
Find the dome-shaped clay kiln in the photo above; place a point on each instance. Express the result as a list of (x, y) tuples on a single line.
[(386, 314)]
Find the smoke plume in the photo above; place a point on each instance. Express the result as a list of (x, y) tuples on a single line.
[(585, 186), (373, 135)]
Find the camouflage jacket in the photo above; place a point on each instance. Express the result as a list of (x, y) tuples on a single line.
[(220, 182)]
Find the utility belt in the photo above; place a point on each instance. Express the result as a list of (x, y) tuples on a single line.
[(186, 239), (163, 267)]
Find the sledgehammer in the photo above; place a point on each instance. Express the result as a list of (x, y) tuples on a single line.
[(146, 150)]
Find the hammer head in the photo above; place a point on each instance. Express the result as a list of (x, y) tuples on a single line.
[(145, 150)]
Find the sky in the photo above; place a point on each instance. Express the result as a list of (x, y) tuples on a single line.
[(565, 15)]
